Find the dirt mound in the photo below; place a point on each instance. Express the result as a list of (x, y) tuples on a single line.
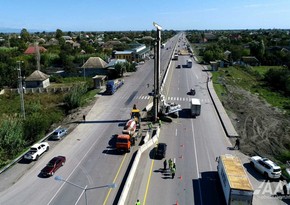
[(264, 130)]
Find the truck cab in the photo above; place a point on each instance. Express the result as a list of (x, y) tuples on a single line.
[(123, 143)]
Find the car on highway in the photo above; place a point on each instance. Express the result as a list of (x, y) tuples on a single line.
[(53, 165), (58, 134), (192, 91), (161, 151), (36, 150), (268, 168)]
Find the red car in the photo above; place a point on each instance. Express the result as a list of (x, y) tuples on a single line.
[(53, 165)]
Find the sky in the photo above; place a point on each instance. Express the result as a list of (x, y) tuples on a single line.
[(125, 15)]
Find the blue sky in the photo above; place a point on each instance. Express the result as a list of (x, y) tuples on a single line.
[(118, 15)]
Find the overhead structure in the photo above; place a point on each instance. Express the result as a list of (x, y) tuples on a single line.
[(156, 98)]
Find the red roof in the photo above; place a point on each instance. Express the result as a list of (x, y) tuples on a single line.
[(31, 49)]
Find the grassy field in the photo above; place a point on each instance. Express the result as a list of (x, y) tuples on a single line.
[(50, 106), (237, 76)]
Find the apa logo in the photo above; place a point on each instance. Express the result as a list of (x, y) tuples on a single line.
[(269, 189)]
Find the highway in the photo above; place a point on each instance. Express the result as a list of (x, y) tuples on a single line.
[(91, 161), (194, 143)]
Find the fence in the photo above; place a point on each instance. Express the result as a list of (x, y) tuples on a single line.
[(40, 90)]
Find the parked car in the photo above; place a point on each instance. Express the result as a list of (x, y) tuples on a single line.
[(268, 168), (161, 150), (58, 134), (36, 150), (52, 166)]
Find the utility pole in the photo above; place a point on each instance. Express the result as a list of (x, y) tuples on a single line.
[(20, 79), (156, 98)]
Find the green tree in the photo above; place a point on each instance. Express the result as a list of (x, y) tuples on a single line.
[(25, 36), (120, 68), (11, 140), (35, 126), (58, 34)]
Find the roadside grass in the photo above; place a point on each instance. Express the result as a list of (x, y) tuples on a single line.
[(237, 76), (263, 69), (219, 88), (89, 96), (50, 104)]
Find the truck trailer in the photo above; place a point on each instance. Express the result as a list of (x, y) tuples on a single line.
[(195, 107), (189, 63), (235, 183), (113, 85)]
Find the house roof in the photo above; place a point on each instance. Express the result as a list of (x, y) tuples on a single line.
[(113, 62), (37, 75), (125, 38), (94, 62), (31, 49), (250, 59), (123, 52)]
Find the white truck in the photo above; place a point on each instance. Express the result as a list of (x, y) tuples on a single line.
[(235, 183), (36, 150), (195, 107), (189, 63)]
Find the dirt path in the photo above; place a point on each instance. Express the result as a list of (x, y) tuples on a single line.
[(264, 130)]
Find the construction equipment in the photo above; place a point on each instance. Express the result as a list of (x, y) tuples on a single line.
[(169, 108), (135, 114), (123, 143)]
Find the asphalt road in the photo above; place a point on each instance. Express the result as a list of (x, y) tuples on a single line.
[(194, 144), (91, 160)]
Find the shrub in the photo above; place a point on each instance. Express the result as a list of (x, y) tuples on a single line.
[(11, 140), (73, 98)]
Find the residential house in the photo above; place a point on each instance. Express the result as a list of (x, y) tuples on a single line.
[(94, 66), (32, 49), (37, 79), (250, 60)]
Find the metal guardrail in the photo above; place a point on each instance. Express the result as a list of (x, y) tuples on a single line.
[(21, 156)]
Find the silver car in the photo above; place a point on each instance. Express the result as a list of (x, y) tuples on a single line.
[(58, 134)]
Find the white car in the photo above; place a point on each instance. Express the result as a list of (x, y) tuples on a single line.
[(268, 168), (36, 150)]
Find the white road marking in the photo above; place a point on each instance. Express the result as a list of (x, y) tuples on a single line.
[(73, 170), (81, 195)]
